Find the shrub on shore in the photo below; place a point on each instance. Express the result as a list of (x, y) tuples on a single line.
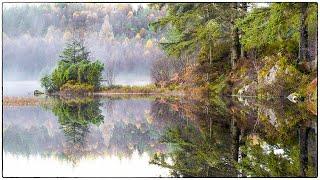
[(72, 87)]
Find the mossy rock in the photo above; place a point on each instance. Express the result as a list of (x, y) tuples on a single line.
[(37, 92), (285, 80)]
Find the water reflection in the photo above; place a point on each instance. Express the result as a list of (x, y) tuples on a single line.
[(79, 131), (247, 138), (75, 116), (209, 137), (200, 144)]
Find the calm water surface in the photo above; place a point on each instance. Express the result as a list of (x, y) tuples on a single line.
[(156, 136), (20, 88)]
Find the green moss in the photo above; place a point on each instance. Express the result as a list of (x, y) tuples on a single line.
[(268, 63), (218, 86), (173, 87), (243, 71), (288, 78)]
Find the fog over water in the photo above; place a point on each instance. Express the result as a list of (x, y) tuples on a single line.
[(116, 34), (20, 88)]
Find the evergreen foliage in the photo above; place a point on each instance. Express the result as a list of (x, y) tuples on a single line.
[(74, 68), (206, 29)]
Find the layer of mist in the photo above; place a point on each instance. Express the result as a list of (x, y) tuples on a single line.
[(116, 34)]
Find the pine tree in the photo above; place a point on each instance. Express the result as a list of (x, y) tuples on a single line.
[(74, 53)]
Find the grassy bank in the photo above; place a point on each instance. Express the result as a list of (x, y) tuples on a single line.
[(24, 101), (72, 93), (147, 89)]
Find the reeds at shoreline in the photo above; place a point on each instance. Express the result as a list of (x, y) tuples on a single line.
[(23, 101)]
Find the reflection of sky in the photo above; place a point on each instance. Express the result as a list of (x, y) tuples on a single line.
[(108, 166), (127, 115), (33, 138)]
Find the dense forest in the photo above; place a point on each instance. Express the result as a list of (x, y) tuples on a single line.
[(250, 48), (117, 34)]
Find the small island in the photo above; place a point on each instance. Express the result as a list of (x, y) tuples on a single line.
[(78, 75), (75, 74)]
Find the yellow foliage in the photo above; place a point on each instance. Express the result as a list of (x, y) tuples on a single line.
[(138, 36), (149, 44), (130, 14), (67, 35)]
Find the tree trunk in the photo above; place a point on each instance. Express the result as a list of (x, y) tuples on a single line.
[(243, 52), (235, 140), (244, 8), (303, 143), (315, 63), (235, 144), (235, 45), (303, 49)]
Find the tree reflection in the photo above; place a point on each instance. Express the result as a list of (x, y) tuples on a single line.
[(75, 117), (277, 145), (192, 138), (256, 140), (196, 151), (195, 155)]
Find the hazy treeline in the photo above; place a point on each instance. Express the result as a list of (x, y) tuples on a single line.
[(117, 34)]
